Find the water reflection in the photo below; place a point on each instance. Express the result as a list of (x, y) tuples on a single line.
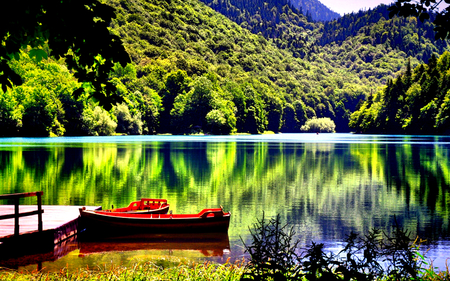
[(86, 250), (35, 260), (209, 244), (325, 186)]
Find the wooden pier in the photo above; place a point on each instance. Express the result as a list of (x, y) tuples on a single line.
[(35, 228)]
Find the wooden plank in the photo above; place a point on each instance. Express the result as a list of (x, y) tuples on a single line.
[(20, 195), (11, 216), (40, 211), (53, 217), (17, 214)]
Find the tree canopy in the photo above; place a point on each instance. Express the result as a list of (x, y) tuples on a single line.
[(77, 30), (426, 10), (416, 102), (195, 71)]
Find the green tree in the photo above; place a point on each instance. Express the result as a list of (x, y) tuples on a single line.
[(148, 105), (427, 118), (300, 112), (220, 121), (190, 109), (41, 112), (414, 103), (443, 116), (274, 109), (319, 125), (98, 122), (45, 98), (177, 83), (75, 30), (290, 121), (238, 98), (73, 110), (126, 123), (201, 101), (255, 121), (10, 114)]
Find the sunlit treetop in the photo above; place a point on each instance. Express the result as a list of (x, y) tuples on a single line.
[(76, 30), (423, 9)]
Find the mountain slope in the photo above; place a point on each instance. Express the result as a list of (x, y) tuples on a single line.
[(277, 20), (410, 35), (194, 70), (367, 44), (188, 36), (417, 102), (316, 10)]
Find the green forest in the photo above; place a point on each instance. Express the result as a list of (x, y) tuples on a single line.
[(418, 101), (230, 66)]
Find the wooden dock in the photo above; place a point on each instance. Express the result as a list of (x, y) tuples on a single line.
[(58, 224)]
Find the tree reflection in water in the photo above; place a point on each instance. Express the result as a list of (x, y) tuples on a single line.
[(326, 186)]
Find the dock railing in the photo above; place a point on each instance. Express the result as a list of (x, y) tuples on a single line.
[(16, 197)]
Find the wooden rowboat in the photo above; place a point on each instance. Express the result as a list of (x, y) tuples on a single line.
[(208, 220), (143, 206)]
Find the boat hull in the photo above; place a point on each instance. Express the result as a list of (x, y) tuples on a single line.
[(153, 223)]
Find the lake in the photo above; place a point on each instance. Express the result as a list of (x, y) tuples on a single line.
[(325, 185)]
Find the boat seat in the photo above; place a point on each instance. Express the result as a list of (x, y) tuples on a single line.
[(216, 212)]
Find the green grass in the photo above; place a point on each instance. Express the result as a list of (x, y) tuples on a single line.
[(165, 268), (156, 270), (150, 270)]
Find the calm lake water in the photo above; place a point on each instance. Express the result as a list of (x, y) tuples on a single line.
[(324, 185)]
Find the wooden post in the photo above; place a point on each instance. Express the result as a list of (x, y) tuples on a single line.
[(16, 216), (39, 203)]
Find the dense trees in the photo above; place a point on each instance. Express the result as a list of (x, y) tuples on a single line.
[(195, 71), (71, 29), (247, 74), (35, 108), (274, 19), (319, 125), (412, 36), (315, 10), (426, 10), (414, 103)]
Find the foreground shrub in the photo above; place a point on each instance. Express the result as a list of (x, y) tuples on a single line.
[(375, 256), (273, 252)]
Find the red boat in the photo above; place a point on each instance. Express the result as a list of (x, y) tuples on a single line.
[(208, 220), (144, 206)]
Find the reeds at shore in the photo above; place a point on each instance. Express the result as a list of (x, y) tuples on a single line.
[(150, 270), (153, 270)]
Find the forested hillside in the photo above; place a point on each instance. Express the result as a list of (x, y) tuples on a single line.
[(368, 44), (417, 102), (410, 35), (277, 20), (196, 71), (315, 10), (193, 71), (269, 88)]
